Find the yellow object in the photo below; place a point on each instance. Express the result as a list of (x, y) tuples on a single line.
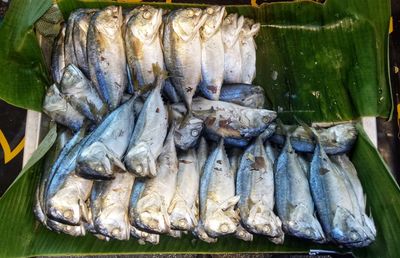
[(8, 153), (391, 25), (254, 3)]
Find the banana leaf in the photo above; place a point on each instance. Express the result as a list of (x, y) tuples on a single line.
[(320, 62)]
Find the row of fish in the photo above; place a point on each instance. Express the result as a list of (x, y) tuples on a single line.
[(211, 194), (117, 50)]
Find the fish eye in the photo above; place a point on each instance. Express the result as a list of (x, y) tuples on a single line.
[(354, 236), (195, 133), (210, 11), (115, 232), (139, 168), (228, 20), (224, 228), (266, 119), (190, 13), (147, 15)]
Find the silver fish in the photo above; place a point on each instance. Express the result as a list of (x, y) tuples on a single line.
[(143, 43), (255, 186), (151, 211), (294, 203), (182, 50), (271, 152), (110, 203), (79, 37), (243, 234), (101, 156), (81, 94), (106, 55), (247, 95), (58, 56), (144, 237), (336, 202), (69, 50), (169, 92), (147, 139), (202, 154), (231, 27), (67, 229), (188, 131), (183, 209), (212, 53), (56, 106), (217, 195), (248, 49)]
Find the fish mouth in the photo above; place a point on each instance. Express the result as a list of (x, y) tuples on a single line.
[(93, 171), (63, 216)]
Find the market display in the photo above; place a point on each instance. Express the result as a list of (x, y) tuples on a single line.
[(162, 132)]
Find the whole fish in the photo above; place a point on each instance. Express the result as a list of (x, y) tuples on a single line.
[(294, 203), (141, 235), (248, 49), (247, 95), (336, 202), (182, 50), (231, 28), (101, 156), (56, 106), (188, 131), (151, 212), (170, 93), (65, 194), (217, 195), (110, 203), (183, 209), (255, 186), (81, 94), (58, 56), (147, 139), (236, 124), (346, 166), (79, 37), (69, 49), (212, 53), (143, 43), (335, 140), (106, 55)]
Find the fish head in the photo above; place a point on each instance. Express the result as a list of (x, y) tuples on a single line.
[(219, 224), (231, 27), (250, 29), (182, 217), (215, 15), (188, 132), (109, 21), (65, 208), (153, 219), (256, 98), (140, 161), (72, 78), (306, 226), (264, 221), (349, 231), (145, 23), (66, 229), (187, 22), (113, 223), (94, 162), (54, 101)]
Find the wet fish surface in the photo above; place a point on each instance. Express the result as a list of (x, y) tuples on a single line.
[(247, 95), (58, 56), (248, 49)]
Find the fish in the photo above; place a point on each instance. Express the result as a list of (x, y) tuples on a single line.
[(66, 229), (271, 151), (183, 209), (231, 28), (217, 195), (182, 50), (58, 56), (69, 49), (236, 124), (65, 194), (243, 234), (102, 154), (170, 93), (268, 132), (148, 136), (110, 203), (63, 136), (212, 53), (202, 154), (248, 49), (337, 139), (58, 109), (248, 95), (255, 186), (106, 55), (79, 39), (143, 44), (336, 202), (81, 94), (188, 131), (141, 235), (294, 203), (151, 211), (344, 164)]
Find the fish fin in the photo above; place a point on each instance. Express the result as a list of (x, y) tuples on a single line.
[(255, 28), (230, 203), (84, 210), (117, 164), (159, 72), (311, 131), (152, 166)]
